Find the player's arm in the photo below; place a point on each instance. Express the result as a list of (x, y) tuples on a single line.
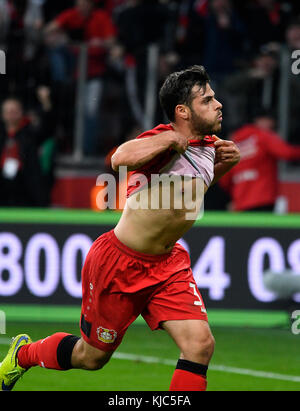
[(136, 153), (227, 156)]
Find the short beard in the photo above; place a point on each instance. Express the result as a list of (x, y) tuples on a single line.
[(201, 127)]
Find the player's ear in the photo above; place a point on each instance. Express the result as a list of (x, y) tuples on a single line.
[(182, 111)]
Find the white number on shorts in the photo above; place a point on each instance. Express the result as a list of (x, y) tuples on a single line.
[(199, 302)]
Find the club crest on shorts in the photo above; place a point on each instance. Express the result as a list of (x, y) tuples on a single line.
[(105, 335)]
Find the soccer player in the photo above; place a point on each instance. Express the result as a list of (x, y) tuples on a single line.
[(139, 268)]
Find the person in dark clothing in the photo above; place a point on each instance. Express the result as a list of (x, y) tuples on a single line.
[(141, 23), (21, 180), (225, 39), (266, 21), (83, 24), (256, 86), (213, 33)]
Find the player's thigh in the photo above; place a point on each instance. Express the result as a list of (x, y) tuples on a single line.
[(193, 337)]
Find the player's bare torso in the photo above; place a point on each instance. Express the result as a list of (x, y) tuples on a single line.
[(155, 231)]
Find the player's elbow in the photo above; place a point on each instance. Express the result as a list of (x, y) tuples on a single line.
[(116, 162), (119, 160)]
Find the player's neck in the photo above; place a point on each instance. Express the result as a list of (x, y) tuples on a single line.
[(186, 130)]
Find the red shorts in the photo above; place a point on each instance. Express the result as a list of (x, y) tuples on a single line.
[(119, 284)]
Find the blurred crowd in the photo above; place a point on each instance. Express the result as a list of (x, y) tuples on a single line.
[(239, 43)]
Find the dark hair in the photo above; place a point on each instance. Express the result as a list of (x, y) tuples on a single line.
[(178, 86)]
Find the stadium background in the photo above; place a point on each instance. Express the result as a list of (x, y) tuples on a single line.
[(43, 242)]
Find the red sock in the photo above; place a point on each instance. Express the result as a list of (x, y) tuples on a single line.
[(189, 376), (52, 352)]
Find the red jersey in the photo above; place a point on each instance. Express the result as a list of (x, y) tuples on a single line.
[(253, 182), (98, 25), (172, 163)]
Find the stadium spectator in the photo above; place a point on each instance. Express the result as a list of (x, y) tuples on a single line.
[(88, 25), (255, 86), (292, 34), (12, 41), (266, 21), (4, 20), (21, 25), (190, 30), (33, 23), (136, 31), (214, 34), (224, 39), (43, 116), (253, 183), (202, 26), (21, 179)]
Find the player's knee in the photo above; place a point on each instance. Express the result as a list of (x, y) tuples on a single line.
[(87, 357), (94, 364), (96, 359), (199, 348), (207, 346)]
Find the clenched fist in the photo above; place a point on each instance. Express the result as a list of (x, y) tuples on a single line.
[(180, 143), (226, 152)]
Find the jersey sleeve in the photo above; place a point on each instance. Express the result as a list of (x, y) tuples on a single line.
[(157, 130), (154, 165)]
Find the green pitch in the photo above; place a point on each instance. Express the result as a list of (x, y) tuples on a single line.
[(245, 359)]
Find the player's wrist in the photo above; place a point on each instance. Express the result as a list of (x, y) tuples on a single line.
[(169, 138)]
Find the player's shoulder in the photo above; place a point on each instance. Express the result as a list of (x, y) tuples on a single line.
[(156, 130)]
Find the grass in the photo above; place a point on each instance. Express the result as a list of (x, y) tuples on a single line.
[(258, 349)]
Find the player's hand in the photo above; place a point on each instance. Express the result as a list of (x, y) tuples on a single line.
[(179, 142), (227, 152)]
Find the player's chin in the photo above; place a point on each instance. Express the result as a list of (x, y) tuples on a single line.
[(217, 128)]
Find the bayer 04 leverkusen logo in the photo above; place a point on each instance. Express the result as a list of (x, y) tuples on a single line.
[(105, 335)]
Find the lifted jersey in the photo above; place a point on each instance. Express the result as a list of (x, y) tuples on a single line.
[(170, 162)]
